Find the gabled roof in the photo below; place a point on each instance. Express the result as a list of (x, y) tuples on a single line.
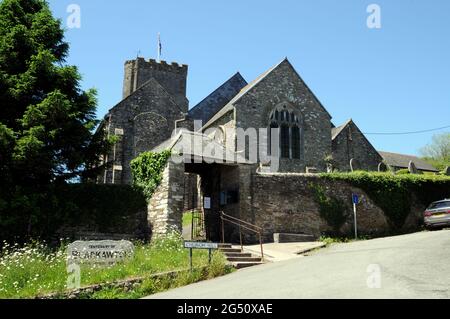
[(210, 105), (403, 160), (151, 83), (229, 107), (335, 131), (252, 84), (192, 144)]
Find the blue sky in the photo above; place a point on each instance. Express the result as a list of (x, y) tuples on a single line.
[(393, 79)]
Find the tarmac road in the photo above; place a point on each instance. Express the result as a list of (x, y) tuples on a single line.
[(409, 266)]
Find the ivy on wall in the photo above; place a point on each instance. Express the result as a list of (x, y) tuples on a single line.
[(147, 171), (393, 193), (331, 209)]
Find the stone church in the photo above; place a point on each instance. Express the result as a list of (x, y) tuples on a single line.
[(154, 104), (154, 114)]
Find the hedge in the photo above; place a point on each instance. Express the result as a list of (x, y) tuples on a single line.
[(39, 215), (393, 193)]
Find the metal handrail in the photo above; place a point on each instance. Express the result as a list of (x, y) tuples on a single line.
[(241, 221), (242, 224)]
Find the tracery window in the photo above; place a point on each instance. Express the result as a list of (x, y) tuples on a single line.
[(288, 121)]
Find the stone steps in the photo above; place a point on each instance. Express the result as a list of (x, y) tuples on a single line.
[(239, 259), (243, 259), (245, 264), (233, 255), (230, 250)]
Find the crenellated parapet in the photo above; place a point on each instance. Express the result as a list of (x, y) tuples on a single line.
[(162, 65), (172, 76)]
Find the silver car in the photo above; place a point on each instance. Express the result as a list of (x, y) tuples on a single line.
[(438, 214)]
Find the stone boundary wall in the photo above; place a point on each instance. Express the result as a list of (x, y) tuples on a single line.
[(126, 284), (285, 203)]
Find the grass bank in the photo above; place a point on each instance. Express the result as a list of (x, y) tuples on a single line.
[(32, 270)]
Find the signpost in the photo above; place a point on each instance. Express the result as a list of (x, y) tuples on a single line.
[(191, 245), (355, 199)]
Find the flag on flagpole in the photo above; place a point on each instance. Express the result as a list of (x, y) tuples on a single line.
[(159, 46)]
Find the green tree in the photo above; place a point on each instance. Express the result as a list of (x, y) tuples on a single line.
[(437, 152), (47, 121)]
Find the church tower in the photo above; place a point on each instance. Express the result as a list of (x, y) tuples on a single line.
[(154, 98), (173, 77)]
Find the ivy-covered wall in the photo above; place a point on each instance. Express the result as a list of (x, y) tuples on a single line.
[(165, 207), (397, 195), (147, 170), (161, 181), (322, 204)]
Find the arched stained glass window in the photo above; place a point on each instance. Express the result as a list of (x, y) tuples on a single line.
[(288, 121)]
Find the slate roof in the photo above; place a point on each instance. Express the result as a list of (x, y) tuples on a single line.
[(335, 131), (152, 82), (230, 105), (402, 161), (210, 105), (192, 144)]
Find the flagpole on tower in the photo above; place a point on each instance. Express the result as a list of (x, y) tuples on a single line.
[(159, 47)]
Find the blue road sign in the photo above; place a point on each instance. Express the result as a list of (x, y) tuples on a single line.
[(355, 199)]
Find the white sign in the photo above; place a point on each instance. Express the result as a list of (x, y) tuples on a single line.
[(207, 203), (200, 245), (105, 252)]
